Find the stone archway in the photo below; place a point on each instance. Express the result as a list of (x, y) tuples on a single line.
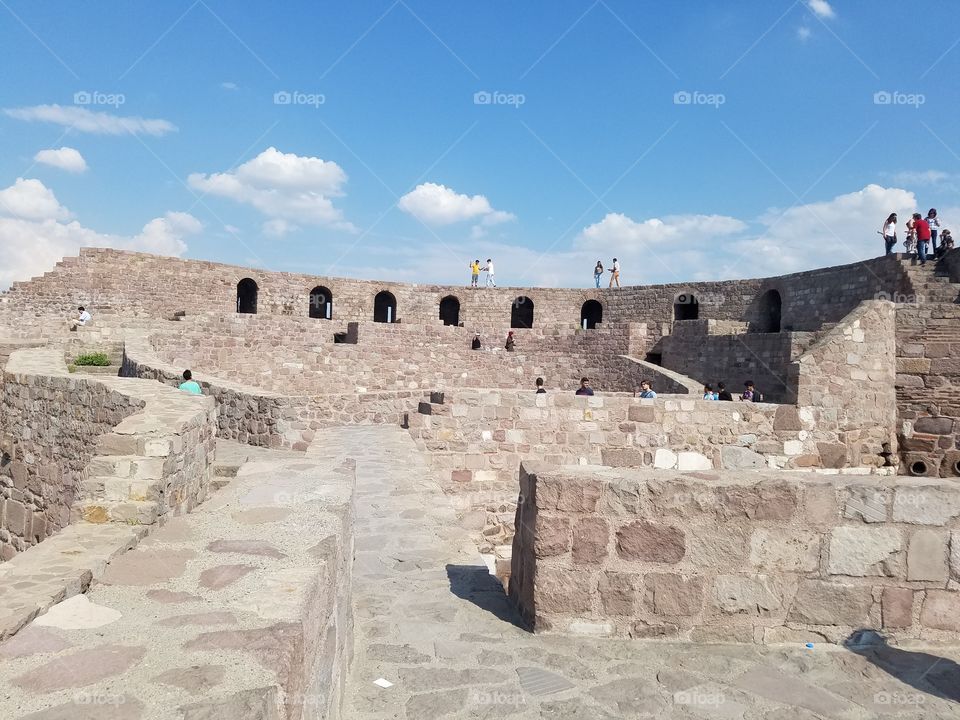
[(247, 291), (591, 314), (385, 307), (321, 303), (450, 310), (769, 312), (686, 307), (521, 314)]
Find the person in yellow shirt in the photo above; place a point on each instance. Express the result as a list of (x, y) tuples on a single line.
[(475, 273)]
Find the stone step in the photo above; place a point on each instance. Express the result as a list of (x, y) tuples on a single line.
[(135, 467), (130, 512), (115, 489)]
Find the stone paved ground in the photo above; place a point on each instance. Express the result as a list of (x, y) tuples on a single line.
[(432, 621)]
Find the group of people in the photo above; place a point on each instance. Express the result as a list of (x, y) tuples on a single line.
[(475, 271), (920, 231), (508, 345), (614, 273), (749, 394), (646, 389)]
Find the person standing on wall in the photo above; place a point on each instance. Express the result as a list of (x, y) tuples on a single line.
[(934, 224), (510, 342), (922, 228), (889, 232), (475, 273), (615, 273), (598, 273), (491, 282)]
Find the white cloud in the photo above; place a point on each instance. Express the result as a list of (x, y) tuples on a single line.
[(439, 205), (31, 200), (83, 120), (617, 232), (35, 232), (821, 8), (229, 85), (65, 158), (284, 187), (803, 33), (923, 177), (278, 227)]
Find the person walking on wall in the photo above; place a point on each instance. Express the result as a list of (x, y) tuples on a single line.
[(598, 273), (491, 282), (889, 232), (475, 273), (934, 224), (615, 273), (922, 228), (509, 344)]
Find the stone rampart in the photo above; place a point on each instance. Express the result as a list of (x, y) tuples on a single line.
[(745, 557)]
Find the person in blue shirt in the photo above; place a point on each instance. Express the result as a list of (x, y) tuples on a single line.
[(584, 388), (708, 393), (189, 384), (646, 390)]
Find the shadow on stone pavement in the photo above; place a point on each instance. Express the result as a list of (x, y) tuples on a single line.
[(476, 584), (932, 674)]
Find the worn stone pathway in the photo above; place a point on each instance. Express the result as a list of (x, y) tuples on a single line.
[(433, 622)]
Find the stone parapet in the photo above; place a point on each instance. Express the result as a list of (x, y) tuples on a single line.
[(743, 557)]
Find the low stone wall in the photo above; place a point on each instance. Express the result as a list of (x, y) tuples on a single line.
[(751, 557), (99, 448), (50, 424)]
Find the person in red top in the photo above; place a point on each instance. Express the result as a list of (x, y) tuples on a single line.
[(923, 236)]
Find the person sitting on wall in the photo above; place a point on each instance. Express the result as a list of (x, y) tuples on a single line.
[(189, 384), (946, 243), (584, 388), (708, 393), (724, 394), (509, 344), (475, 345), (83, 317), (750, 393), (540, 389), (646, 390)]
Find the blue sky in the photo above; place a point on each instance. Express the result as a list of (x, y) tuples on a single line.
[(388, 139)]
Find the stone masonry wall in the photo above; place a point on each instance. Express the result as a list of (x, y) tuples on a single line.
[(928, 388), (50, 426), (712, 354), (136, 283), (847, 381), (751, 557)]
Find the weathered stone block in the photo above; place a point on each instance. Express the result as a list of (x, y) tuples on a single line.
[(648, 542), (563, 591), (590, 538), (763, 501), (867, 503), (755, 595), (785, 549), (553, 535), (825, 603), (787, 419), (941, 610), (927, 555), (934, 425), (832, 455), (925, 505), (641, 413), (672, 594), (865, 551), (897, 607), (618, 592), (735, 457), (693, 462)]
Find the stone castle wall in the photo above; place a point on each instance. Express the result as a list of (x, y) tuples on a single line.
[(752, 557), (732, 355), (136, 283), (928, 388)]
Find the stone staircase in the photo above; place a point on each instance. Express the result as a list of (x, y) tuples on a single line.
[(930, 283)]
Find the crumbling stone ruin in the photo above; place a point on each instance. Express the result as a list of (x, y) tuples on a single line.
[(831, 506)]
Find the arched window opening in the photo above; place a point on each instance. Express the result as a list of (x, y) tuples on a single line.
[(686, 307), (450, 310), (521, 315), (247, 296), (770, 311), (385, 307), (321, 303), (591, 314)]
